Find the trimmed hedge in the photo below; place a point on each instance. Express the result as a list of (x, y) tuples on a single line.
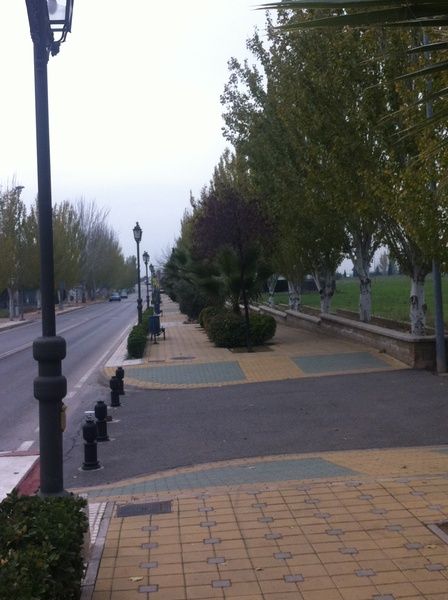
[(41, 543), (227, 330), (137, 341), (208, 313), (138, 336), (262, 328)]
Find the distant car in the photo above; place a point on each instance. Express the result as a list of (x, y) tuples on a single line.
[(115, 298), (124, 294)]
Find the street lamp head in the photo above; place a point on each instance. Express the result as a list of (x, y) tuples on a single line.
[(47, 18), (60, 14), (145, 258), (137, 233)]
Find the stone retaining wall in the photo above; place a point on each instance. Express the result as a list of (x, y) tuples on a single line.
[(416, 352)]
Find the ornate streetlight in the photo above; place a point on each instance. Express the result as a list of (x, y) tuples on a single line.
[(138, 238), (146, 261), (47, 18)]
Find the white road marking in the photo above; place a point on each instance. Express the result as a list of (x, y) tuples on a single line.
[(25, 446)]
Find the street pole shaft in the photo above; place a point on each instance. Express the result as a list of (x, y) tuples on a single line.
[(50, 386), (44, 191)]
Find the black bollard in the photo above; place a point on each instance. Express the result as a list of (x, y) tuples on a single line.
[(101, 423), (89, 434), (114, 384), (119, 373)]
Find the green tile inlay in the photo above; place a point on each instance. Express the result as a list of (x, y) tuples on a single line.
[(329, 363), (253, 473), (185, 374)]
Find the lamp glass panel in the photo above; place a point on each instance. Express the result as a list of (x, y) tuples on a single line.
[(57, 11), (137, 233)]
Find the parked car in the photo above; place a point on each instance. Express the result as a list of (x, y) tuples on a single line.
[(115, 298), (124, 294)]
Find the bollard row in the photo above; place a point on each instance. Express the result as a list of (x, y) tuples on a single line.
[(96, 431)]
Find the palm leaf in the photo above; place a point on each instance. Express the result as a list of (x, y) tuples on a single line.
[(382, 13)]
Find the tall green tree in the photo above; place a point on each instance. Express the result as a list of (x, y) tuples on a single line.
[(68, 242), (15, 245), (308, 128)]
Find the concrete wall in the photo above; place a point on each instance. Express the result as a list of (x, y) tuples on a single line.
[(416, 352)]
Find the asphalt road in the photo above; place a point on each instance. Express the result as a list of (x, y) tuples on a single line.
[(92, 334), (155, 430)]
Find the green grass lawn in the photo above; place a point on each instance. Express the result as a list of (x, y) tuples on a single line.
[(390, 297)]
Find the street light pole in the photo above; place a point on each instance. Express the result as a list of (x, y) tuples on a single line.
[(146, 261), (138, 237), (50, 386)]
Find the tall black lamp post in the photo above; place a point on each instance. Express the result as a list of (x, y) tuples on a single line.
[(138, 238), (47, 18), (146, 261)]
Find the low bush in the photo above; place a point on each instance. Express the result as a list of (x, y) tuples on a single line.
[(227, 330), (207, 314), (262, 328), (41, 544), (138, 336), (137, 341)]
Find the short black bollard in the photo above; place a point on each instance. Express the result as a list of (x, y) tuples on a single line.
[(119, 373), (114, 384), (90, 446), (101, 423)]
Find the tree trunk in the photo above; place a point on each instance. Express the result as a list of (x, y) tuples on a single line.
[(272, 282), (324, 284), (11, 304), (247, 319), (362, 258), (417, 312), (365, 299), (295, 296)]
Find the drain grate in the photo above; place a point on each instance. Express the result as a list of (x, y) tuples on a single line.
[(149, 508), (183, 357)]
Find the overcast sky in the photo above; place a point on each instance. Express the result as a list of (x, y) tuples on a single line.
[(135, 116)]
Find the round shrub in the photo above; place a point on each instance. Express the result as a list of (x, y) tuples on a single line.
[(41, 544), (137, 341), (227, 330), (262, 328), (207, 314)]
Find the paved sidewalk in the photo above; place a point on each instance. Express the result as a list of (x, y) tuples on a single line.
[(354, 525), (330, 526), (186, 358)]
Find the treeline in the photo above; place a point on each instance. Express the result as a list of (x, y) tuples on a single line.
[(325, 141), (87, 253)]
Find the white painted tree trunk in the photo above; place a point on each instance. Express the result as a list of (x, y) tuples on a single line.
[(295, 296), (11, 304), (418, 307), (361, 260), (61, 305), (272, 282), (39, 299), (324, 284)]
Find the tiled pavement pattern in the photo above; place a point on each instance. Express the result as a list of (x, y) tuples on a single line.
[(359, 525), (186, 358), (355, 525)]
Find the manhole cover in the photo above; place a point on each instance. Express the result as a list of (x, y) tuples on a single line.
[(149, 508), (183, 357)]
